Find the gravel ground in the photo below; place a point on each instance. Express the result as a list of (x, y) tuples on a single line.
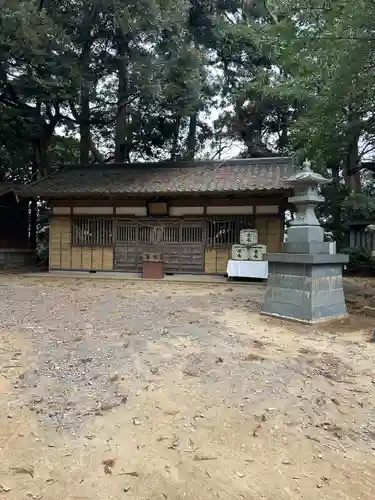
[(114, 389)]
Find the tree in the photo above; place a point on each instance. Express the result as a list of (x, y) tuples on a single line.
[(36, 78), (323, 55)]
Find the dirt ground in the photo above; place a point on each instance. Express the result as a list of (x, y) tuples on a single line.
[(120, 390)]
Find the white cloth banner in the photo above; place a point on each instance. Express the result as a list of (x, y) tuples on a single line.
[(247, 269)]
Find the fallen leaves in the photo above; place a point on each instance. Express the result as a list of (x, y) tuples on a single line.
[(253, 357), (263, 419), (108, 463), (24, 470), (259, 344), (108, 406), (191, 371), (132, 474), (200, 457), (114, 378), (175, 443), (171, 413)]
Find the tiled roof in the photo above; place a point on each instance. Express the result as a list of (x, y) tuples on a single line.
[(7, 187), (237, 175)]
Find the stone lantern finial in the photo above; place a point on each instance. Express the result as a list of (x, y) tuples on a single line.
[(306, 165)]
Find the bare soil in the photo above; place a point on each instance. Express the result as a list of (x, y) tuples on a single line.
[(120, 390)]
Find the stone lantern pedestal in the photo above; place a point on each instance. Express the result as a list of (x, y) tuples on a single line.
[(305, 279)]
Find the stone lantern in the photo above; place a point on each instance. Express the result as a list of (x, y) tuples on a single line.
[(305, 279)]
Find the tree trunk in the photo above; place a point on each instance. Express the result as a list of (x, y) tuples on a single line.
[(33, 207), (335, 173), (122, 146), (191, 142), (352, 159), (33, 223), (284, 139), (337, 207), (352, 178), (84, 117), (176, 134), (41, 165)]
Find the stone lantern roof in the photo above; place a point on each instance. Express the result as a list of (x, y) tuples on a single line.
[(308, 176)]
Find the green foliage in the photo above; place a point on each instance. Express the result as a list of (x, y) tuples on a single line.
[(359, 207), (359, 261), (324, 52), (357, 256)]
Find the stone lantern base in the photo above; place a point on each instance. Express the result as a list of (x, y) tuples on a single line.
[(305, 287)]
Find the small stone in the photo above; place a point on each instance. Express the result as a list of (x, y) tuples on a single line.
[(4, 489), (136, 421), (126, 344), (126, 489), (335, 401), (286, 461), (165, 331), (154, 370), (239, 474), (219, 360)]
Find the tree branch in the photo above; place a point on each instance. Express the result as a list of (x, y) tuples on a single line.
[(270, 13), (95, 152)]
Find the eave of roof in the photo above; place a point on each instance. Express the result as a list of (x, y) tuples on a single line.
[(154, 179), (8, 187)]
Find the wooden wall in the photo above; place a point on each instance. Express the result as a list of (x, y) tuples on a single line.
[(216, 259), (63, 256), (358, 237), (270, 231)]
